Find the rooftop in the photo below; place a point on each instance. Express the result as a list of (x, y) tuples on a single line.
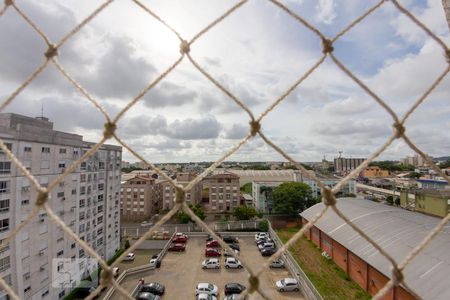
[(397, 231)]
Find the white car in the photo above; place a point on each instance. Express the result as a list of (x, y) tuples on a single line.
[(180, 234), (129, 257), (115, 271), (204, 296), (232, 263), (153, 263), (211, 263), (287, 285), (228, 254), (206, 288), (266, 245), (261, 235), (277, 263)]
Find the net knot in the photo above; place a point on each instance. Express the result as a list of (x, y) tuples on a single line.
[(8, 2), (180, 195), (51, 51), (110, 128), (327, 46), (397, 275), (328, 197), (185, 47), (447, 55), (254, 284), (106, 277), (399, 130), (42, 197), (255, 126)]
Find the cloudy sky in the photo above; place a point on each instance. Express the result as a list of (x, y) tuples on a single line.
[(256, 53)]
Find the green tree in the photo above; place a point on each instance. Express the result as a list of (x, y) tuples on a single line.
[(445, 164), (397, 201), (183, 217), (264, 226), (292, 197), (414, 175), (247, 188), (390, 200), (198, 210), (244, 212), (127, 244)]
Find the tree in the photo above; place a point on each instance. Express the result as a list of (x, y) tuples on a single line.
[(198, 210), (390, 200), (292, 197), (444, 164), (264, 226), (414, 175), (247, 188), (127, 244), (244, 212), (397, 201)]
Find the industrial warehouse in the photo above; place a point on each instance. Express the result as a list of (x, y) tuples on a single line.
[(397, 231)]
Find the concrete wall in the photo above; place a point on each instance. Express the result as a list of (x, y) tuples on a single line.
[(431, 205)]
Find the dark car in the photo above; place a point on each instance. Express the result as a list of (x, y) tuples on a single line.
[(234, 288), (212, 244), (154, 288), (230, 239), (263, 241), (177, 247), (209, 238), (147, 296), (235, 247), (212, 252), (268, 251)]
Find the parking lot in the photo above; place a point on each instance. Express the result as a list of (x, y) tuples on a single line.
[(180, 272)]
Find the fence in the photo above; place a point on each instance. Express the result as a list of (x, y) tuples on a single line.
[(255, 123), (306, 286)]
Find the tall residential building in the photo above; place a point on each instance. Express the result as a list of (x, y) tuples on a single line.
[(87, 201), (194, 196), (346, 165), (415, 160), (224, 192), (141, 197)]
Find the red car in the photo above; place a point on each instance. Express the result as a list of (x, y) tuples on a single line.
[(179, 239), (177, 247), (212, 252), (212, 244)]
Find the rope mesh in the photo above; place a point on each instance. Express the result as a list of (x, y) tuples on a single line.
[(328, 197)]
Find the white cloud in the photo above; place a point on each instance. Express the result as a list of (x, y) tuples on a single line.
[(326, 11)]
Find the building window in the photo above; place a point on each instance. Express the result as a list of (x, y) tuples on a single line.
[(45, 164), (26, 149), (59, 253), (45, 294), (45, 149), (61, 294), (4, 205), (4, 263), (4, 225), (62, 164), (60, 194), (25, 202), (5, 167), (8, 145), (4, 187), (62, 150)]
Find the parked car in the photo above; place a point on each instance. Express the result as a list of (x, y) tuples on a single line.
[(212, 252), (211, 263), (154, 288), (179, 239), (177, 247), (213, 244), (129, 257), (263, 241), (287, 285), (180, 234), (232, 263), (234, 297), (268, 251), (266, 245), (206, 288), (147, 296), (261, 234), (234, 288), (227, 254), (234, 247), (115, 271), (209, 238), (204, 296), (230, 239), (277, 263), (154, 263), (146, 224)]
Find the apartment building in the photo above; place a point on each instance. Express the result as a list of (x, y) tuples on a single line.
[(141, 197), (224, 192), (87, 201), (193, 197)]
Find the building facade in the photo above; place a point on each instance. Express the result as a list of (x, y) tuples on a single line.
[(87, 201), (193, 197), (344, 165), (224, 192), (374, 172), (140, 198)]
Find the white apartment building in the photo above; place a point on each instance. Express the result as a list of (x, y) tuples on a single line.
[(87, 201)]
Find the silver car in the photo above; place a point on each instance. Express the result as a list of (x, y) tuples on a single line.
[(277, 263), (206, 288), (205, 296), (287, 285)]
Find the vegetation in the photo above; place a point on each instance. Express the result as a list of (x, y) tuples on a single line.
[(198, 210), (292, 198), (330, 280), (127, 244), (244, 212), (397, 201), (257, 167), (414, 175), (264, 226), (247, 188), (445, 164), (390, 200), (392, 166), (130, 169)]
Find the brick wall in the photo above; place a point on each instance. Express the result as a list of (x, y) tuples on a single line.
[(340, 255), (376, 281), (357, 270)]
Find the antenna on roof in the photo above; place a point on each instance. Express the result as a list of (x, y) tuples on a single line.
[(42, 109), (340, 154)]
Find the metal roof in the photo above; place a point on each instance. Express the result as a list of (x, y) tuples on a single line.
[(397, 231)]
